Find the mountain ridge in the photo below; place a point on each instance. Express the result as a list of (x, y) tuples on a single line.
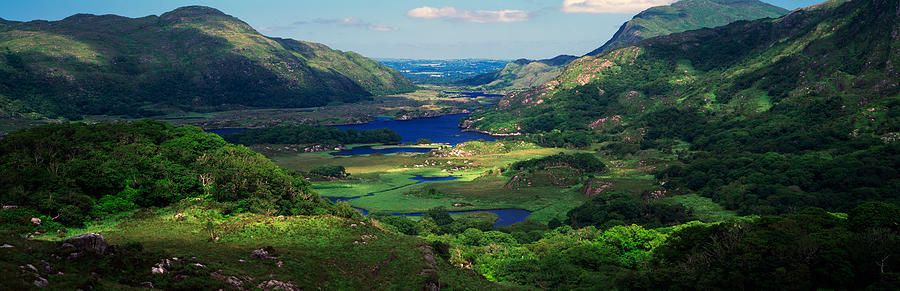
[(686, 15), (194, 57), (660, 20)]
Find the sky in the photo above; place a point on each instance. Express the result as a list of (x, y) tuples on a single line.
[(416, 29)]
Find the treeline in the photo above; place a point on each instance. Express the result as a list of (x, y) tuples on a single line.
[(73, 173), (580, 162), (805, 250), (304, 134), (615, 208)]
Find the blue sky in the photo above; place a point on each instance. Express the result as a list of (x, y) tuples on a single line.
[(425, 29)]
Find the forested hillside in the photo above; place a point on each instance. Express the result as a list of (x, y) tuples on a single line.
[(76, 173), (196, 58), (778, 114), (656, 21), (687, 15)]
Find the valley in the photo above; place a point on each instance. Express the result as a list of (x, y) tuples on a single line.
[(707, 145)]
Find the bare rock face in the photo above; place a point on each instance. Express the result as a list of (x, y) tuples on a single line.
[(90, 242)]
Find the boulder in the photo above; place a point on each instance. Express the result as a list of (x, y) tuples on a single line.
[(278, 285), (90, 242), (41, 282), (35, 220), (264, 253)]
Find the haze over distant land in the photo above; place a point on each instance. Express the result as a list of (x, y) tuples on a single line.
[(430, 29)]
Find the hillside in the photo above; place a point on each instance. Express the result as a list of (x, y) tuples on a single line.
[(687, 15), (816, 89), (192, 57), (521, 74), (656, 21)]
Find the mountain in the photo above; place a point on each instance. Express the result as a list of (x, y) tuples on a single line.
[(656, 21), (522, 73), (817, 89), (192, 57), (687, 15)]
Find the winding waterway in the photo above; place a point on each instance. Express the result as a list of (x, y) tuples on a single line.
[(441, 129)]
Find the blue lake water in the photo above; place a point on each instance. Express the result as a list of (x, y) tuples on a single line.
[(473, 94), (441, 129)]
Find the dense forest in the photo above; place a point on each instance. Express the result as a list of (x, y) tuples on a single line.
[(74, 173), (304, 134)]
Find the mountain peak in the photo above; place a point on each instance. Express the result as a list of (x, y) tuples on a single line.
[(192, 13), (687, 15)]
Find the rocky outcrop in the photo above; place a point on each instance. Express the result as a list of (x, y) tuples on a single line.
[(265, 253), (90, 242), (278, 285)]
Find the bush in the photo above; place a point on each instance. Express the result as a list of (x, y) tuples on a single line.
[(333, 171)]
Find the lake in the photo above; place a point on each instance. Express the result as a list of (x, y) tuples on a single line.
[(441, 129)]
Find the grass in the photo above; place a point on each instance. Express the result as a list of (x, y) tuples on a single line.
[(704, 208), (389, 177), (315, 252)]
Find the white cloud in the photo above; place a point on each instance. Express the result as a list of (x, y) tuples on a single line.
[(611, 6), (477, 16), (348, 22), (382, 28)]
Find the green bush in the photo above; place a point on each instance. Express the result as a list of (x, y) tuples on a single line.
[(334, 171)]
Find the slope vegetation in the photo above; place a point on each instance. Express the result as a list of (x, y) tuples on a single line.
[(812, 95), (662, 20), (192, 57), (687, 15)]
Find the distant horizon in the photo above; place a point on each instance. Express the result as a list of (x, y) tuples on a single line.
[(403, 29)]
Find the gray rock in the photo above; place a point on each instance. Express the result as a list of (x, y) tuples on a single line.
[(35, 220), (6, 246), (75, 255), (147, 284), (277, 285), (90, 242), (41, 282), (264, 253)]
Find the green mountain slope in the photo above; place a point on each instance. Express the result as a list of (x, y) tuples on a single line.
[(687, 15), (521, 74), (817, 89), (662, 20), (193, 57)]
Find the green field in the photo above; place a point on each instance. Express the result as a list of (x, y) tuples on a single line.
[(481, 184)]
